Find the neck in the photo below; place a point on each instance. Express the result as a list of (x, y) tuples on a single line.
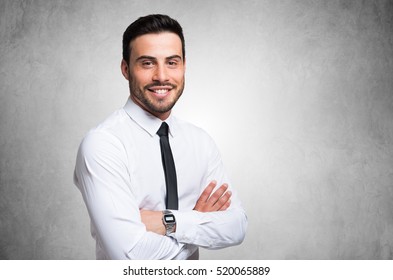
[(161, 116)]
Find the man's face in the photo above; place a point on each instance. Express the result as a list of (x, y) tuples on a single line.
[(156, 72)]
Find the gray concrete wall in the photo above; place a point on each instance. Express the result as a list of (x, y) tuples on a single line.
[(297, 94)]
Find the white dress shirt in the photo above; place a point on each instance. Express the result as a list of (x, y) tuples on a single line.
[(119, 172)]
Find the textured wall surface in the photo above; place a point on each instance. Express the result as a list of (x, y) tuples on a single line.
[(297, 94)]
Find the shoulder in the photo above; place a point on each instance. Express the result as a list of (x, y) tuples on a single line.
[(116, 121), (186, 127), (194, 133), (105, 136)]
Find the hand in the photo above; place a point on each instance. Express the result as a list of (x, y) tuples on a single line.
[(218, 201), (153, 221)]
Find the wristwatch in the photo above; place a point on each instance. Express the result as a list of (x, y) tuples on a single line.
[(169, 221)]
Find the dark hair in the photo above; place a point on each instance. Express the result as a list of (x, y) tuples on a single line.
[(147, 25)]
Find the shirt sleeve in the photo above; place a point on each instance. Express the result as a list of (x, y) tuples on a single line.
[(101, 175), (213, 230)]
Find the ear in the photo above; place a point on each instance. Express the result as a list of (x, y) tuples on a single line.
[(124, 69)]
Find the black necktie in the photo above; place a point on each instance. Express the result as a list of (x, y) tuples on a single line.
[(169, 168)]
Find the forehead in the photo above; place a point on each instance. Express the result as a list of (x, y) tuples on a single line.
[(156, 44)]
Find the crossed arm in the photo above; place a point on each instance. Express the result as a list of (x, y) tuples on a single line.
[(124, 231), (208, 201)]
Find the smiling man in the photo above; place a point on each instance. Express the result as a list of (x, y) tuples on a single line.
[(155, 72), (155, 186)]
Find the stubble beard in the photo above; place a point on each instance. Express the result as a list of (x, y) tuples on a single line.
[(154, 106)]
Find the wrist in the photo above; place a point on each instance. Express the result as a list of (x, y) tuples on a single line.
[(169, 222)]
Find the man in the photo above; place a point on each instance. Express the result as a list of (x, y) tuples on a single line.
[(126, 171)]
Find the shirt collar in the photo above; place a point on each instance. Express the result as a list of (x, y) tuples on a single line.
[(147, 121)]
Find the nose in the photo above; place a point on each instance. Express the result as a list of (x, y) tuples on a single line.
[(160, 74)]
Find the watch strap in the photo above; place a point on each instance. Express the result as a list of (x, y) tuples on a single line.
[(169, 227)]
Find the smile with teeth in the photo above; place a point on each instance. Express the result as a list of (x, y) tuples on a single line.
[(160, 91)]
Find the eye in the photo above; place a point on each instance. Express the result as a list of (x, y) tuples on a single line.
[(173, 63), (147, 63)]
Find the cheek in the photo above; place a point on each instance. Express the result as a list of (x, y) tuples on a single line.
[(140, 79), (178, 76)]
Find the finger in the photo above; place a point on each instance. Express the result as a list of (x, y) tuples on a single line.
[(206, 192), (222, 201), (225, 206), (217, 194)]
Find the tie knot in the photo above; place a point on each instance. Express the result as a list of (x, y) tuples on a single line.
[(163, 131)]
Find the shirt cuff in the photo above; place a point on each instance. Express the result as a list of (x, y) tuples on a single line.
[(187, 223)]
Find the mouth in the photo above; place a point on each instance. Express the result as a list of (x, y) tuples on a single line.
[(160, 91)]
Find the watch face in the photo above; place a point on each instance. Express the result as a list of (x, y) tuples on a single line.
[(169, 218)]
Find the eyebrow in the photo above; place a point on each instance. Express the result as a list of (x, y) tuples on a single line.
[(154, 58), (174, 56), (145, 57)]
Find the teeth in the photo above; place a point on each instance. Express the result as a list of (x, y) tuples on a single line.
[(161, 91)]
